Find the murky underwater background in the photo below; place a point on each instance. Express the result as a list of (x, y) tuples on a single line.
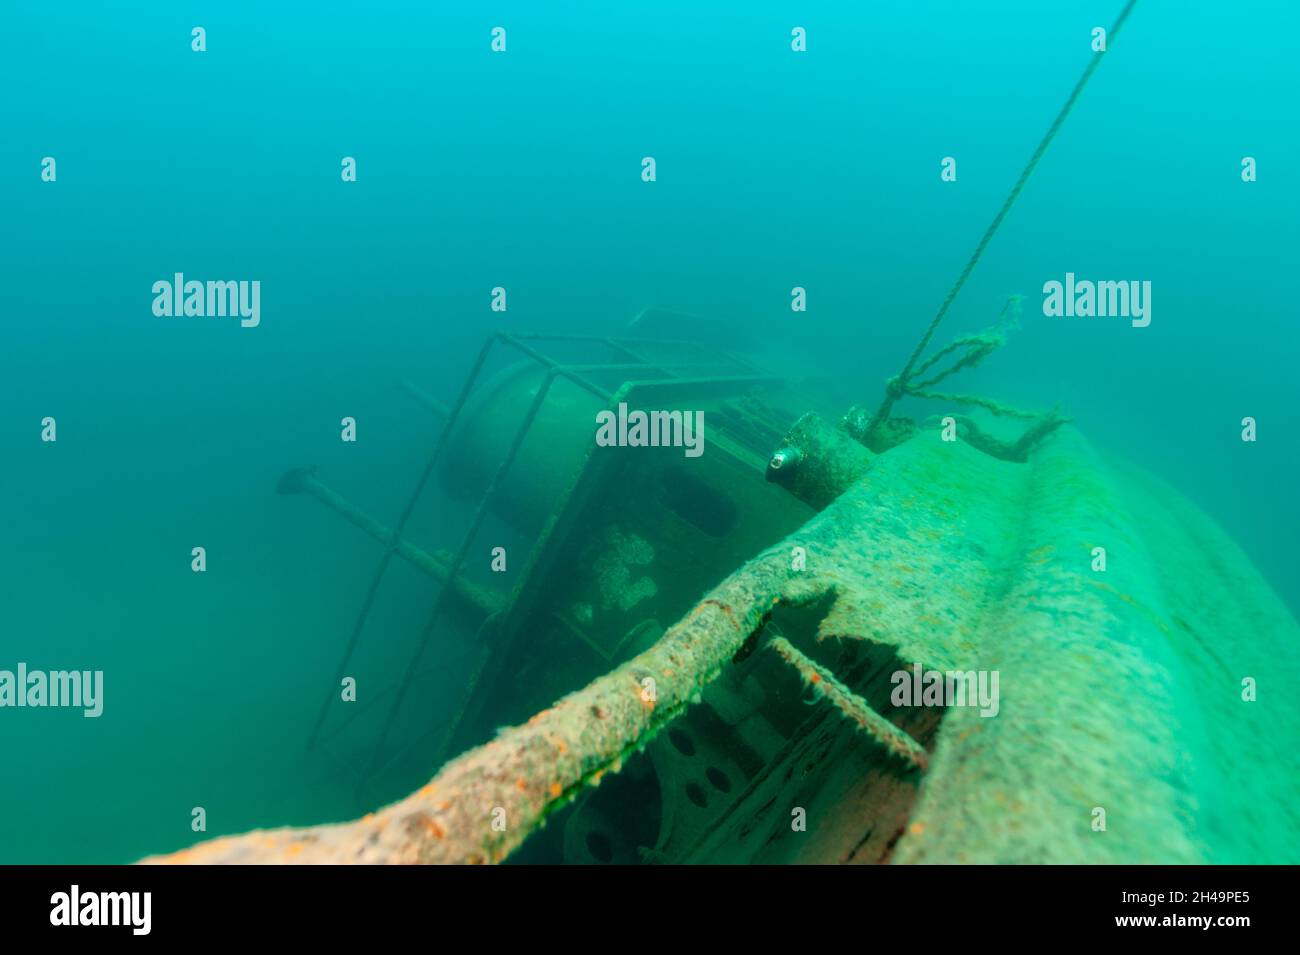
[(522, 170)]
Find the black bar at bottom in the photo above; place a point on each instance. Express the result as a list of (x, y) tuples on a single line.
[(898, 905)]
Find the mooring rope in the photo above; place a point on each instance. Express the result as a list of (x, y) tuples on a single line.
[(973, 350), (897, 385)]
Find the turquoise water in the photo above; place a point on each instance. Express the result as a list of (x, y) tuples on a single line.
[(523, 170)]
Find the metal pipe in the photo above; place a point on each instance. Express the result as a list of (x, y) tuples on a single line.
[(459, 559), (529, 771), (380, 570), (437, 564), (439, 408)]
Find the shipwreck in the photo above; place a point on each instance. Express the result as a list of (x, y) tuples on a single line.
[(753, 722), (696, 660)]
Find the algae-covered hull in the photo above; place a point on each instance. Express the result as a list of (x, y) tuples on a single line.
[(1127, 673)]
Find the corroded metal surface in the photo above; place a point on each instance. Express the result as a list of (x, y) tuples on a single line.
[(483, 804), (823, 683)]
